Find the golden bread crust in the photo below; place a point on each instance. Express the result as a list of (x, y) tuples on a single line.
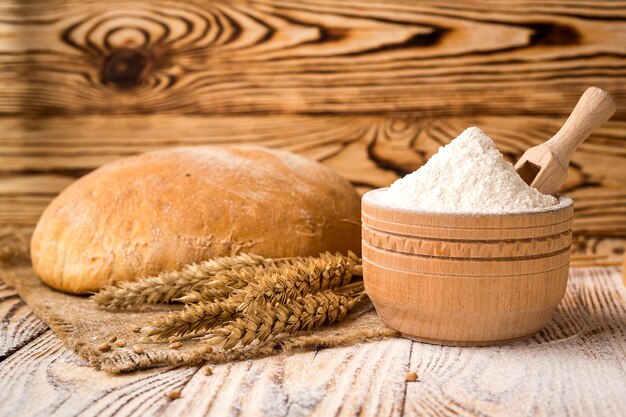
[(158, 211)]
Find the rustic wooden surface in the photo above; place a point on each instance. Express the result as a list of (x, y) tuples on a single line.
[(574, 367), (42, 156), (310, 56), (370, 88)]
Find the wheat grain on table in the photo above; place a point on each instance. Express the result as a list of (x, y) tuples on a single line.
[(563, 370)]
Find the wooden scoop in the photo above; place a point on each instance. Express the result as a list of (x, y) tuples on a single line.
[(545, 166)]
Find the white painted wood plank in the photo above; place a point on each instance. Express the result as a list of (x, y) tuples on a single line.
[(18, 324), (366, 379), (574, 367), (247, 388), (46, 379)]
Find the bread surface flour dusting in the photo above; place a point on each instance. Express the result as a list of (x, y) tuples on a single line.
[(469, 175)]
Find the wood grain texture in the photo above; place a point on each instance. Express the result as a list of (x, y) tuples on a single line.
[(366, 380), (249, 388), (446, 65), (574, 367), (312, 56), (46, 379), (611, 247), (42, 156), (18, 325), (122, 77)]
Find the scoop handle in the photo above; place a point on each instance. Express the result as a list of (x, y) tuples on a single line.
[(593, 109)]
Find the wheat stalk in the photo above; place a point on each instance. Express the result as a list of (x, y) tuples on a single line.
[(287, 283), (309, 312), (168, 286), (205, 281)]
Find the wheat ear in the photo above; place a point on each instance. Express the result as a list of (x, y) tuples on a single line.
[(169, 286), (195, 318), (290, 282), (242, 278), (309, 312)]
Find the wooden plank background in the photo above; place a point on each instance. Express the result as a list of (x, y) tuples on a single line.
[(370, 88)]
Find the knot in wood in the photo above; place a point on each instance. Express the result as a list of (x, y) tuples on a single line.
[(125, 68)]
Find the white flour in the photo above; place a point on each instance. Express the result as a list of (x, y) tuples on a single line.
[(467, 175)]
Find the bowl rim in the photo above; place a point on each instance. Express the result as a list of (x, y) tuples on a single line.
[(369, 198)]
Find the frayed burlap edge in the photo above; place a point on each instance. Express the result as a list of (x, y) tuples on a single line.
[(83, 326)]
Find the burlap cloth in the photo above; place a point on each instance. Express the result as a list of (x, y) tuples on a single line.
[(83, 326)]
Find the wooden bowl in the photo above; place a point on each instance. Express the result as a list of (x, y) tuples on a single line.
[(465, 279)]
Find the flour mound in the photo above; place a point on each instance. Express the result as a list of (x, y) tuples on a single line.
[(468, 175)]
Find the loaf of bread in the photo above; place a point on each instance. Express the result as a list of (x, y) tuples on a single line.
[(161, 210)]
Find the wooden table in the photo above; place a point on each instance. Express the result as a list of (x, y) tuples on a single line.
[(369, 88), (575, 367)]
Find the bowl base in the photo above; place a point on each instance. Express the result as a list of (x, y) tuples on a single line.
[(460, 327), (480, 343)]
